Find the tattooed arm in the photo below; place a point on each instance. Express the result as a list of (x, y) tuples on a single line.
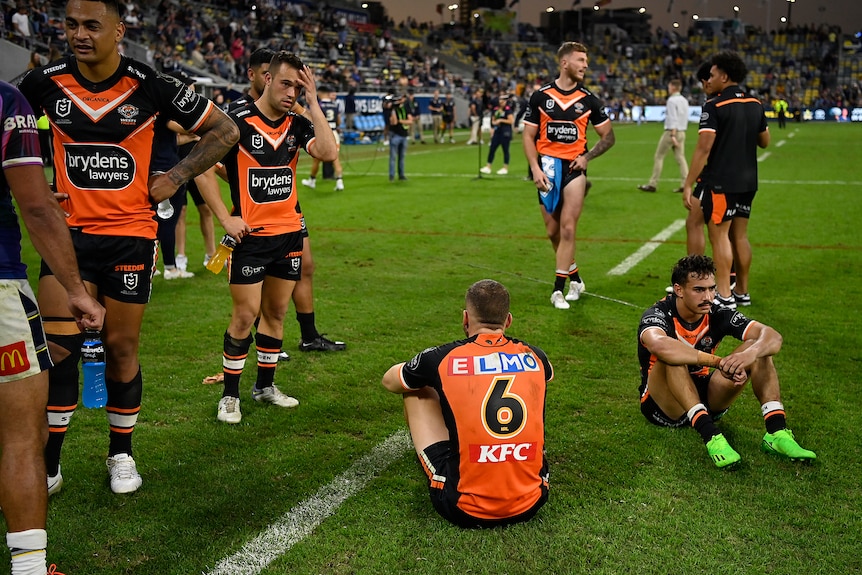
[(606, 132), (218, 135)]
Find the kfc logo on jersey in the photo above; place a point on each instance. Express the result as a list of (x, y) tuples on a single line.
[(503, 452), (63, 107), (493, 363), (266, 185)]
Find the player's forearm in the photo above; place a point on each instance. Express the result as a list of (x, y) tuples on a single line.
[(218, 135), (603, 145)]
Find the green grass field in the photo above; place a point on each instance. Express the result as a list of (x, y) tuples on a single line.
[(393, 262)]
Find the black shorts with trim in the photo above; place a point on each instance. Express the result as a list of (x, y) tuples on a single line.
[(121, 267), (656, 416), (718, 207), (260, 256), (444, 460)]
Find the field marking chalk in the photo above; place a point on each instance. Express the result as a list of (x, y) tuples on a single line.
[(299, 522), (647, 249)]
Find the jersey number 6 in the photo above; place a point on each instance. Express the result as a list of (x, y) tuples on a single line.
[(503, 413)]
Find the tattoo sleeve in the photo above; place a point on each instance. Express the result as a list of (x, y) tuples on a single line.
[(602, 146), (218, 135)]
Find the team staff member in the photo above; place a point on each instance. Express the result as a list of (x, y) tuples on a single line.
[(476, 411), (24, 358), (435, 107), (677, 338), (673, 137), (303, 293), (102, 107), (732, 127), (448, 118), (502, 119), (266, 265), (555, 143)]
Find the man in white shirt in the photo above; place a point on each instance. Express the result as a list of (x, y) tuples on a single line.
[(21, 24), (673, 137)]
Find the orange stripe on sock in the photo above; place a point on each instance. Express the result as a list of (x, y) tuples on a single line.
[(123, 430), (268, 350), (123, 410), (776, 412), (697, 416)]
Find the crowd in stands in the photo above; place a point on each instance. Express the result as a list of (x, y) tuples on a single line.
[(799, 64)]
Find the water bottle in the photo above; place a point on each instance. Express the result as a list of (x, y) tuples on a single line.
[(93, 360), (164, 210), (223, 251)]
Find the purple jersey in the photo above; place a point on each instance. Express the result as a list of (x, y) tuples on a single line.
[(20, 147)]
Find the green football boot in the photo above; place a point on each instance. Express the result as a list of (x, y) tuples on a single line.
[(783, 443), (722, 454)]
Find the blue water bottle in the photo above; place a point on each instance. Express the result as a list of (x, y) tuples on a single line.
[(93, 359)]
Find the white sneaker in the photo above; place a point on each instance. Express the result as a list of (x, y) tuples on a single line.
[(182, 262), (55, 483), (339, 185), (575, 291), (124, 473), (177, 273), (206, 259), (274, 396), (228, 410), (485, 170), (559, 301), (309, 183), (503, 171)]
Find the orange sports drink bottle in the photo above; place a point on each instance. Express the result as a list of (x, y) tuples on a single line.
[(222, 253)]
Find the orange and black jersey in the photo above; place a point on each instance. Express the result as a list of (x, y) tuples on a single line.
[(703, 335), (261, 169), (737, 119), (492, 390), (562, 118), (104, 136)]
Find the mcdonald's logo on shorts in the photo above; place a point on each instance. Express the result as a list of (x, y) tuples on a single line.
[(13, 359)]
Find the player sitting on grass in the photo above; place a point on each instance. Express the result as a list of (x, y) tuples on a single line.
[(676, 340)]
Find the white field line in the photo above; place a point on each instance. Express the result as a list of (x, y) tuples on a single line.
[(647, 248), (763, 156), (299, 522)]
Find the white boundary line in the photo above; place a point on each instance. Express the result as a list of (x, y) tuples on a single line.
[(299, 522), (647, 249)]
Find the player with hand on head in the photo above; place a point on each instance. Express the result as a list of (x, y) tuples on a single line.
[(266, 224), (684, 382)]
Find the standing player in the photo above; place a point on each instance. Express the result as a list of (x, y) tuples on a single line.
[(24, 358), (103, 109), (329, 105), (476, 412), (303, 293), (732, 127), (265, 221), (555, 143), (676, 340)]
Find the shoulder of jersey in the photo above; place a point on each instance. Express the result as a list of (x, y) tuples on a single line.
[(242, 112)]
